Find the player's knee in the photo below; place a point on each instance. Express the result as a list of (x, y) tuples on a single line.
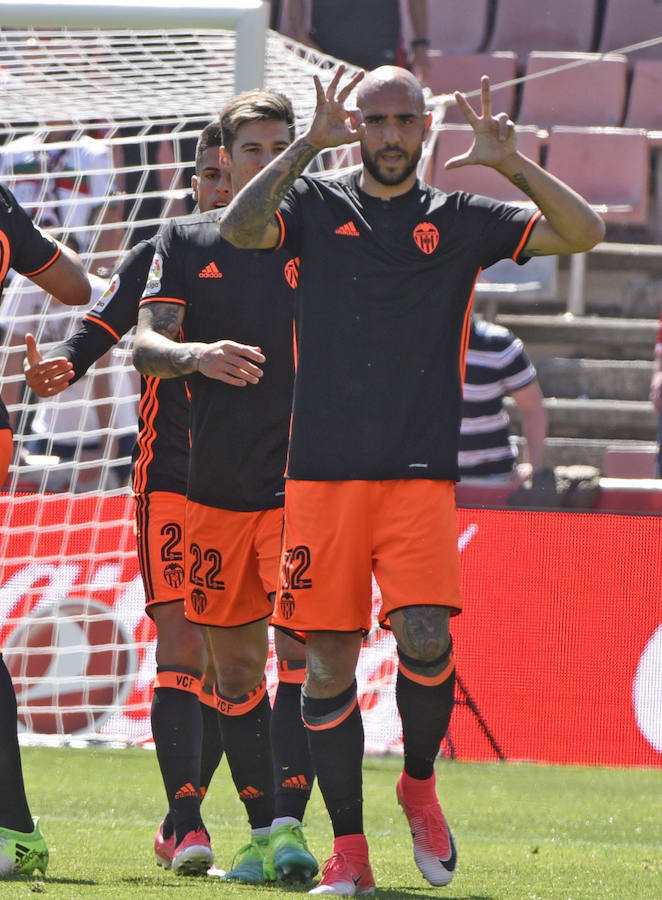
[(182, 647), (422, 632), (239, 674)]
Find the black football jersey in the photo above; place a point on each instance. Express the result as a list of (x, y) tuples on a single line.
[(239, 436)]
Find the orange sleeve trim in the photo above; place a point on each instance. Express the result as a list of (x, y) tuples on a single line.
[(433, 680), (162, 300), (180, 681), (466, 331), (111, 331), (527, 231), (240, 707), (44, 267), (334, 722), (5, 251), (282, 230), (292, 671)]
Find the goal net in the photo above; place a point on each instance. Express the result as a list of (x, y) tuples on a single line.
[(97, 142)]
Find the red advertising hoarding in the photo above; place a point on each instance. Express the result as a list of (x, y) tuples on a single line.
[(559, 647)]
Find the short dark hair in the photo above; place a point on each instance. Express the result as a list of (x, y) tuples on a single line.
[(254, 106), (210, 136)]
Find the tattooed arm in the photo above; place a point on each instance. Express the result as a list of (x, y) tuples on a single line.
[(249, 219), (568, 224), (158, 352)]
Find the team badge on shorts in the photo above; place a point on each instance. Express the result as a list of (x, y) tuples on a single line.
[(286, 605), (198, 601)]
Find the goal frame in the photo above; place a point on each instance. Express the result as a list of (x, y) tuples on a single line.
[(249, 19)]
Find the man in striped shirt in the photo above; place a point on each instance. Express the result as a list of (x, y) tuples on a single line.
[(497, 365)]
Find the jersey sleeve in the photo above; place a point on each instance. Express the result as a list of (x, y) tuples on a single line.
[(165, 279), (114, 313), (499, 230), (289, 215), (25, 247)]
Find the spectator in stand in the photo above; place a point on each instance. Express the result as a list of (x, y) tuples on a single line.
[(29, 250), (655, 394), (497, 365), (365, 33)]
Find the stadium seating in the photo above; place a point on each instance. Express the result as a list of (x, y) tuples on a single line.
[(452, 27), (590, 94), (629, 22), (462, 72), (644, 108), (522, 26), (453, 140), (622, 461), (608, 166)]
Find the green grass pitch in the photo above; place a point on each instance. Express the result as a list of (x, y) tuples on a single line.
[(523, 831)]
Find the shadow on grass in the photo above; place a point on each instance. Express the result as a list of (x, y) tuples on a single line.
[(418, 894)]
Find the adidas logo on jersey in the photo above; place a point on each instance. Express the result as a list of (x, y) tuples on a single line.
[(349, 229), (211, 271)]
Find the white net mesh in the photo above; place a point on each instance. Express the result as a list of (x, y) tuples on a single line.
[(98, 144)]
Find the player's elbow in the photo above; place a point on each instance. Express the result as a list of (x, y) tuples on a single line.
[(593, 233), (141, 357), (75, 290)]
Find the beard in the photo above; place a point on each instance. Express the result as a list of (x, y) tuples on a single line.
[(392, 178)]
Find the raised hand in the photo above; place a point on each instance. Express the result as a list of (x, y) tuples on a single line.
[(332, 123), (494, 136), (46, 377)]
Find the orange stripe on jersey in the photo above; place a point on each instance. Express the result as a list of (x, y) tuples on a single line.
[(45, 266), (466, 331), (149, 406), (180, 681), (142, 531), (162, 300), (292, 671), (431, 680), (5, 256), (281, 225), (527, 231), (111, 331), (240, 707), (333, 723)]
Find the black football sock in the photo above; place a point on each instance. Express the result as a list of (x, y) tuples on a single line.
[(245, 725), (14, 809), (177, 732), (425, 694), (212, 740), (293, 766), (335, 736)]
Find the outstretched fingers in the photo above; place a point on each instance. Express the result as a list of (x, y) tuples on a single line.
[(485, 97)]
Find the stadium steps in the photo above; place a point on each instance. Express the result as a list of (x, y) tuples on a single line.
[(595, 374)]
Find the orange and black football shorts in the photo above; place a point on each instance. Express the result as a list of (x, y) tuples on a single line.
[(338, 533), (231, 564), (160, 539)]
